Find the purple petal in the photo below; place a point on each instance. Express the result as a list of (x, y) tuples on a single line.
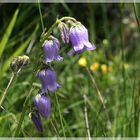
[(43, 105), (37, 121), (52, 85), (74, 36), (56, 47), (42, 77), (89, 46), (59, 58), (84, 33), (79, 48), (49, 51)]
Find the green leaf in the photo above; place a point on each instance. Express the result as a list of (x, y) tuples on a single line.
[(8, 32), (21, 48)]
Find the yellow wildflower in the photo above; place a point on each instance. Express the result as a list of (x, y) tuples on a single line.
[(82, 62), (104, 68), (126, 66), (94, 67), (110, 69)]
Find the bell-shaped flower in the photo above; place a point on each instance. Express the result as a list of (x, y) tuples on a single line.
[(35, 117), (48, 80), (51, 50), (80, 39), (43, 104)]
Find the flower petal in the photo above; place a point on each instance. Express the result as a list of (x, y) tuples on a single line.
[(49, 51), (37, 121), (89, 46), (43, 105), (42, 77)]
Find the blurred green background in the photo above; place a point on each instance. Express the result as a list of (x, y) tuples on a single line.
[(114, 65)]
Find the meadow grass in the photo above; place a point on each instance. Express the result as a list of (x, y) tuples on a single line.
[(77, 108)]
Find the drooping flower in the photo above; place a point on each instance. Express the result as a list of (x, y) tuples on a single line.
[(79, 39), (35, 117), (51, 50), (43, 104), (64, 30), (48, 80)]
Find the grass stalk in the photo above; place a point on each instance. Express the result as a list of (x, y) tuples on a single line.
[(7, 88), (25, 105), (86, 117), (99, 94), (136, 14), (60, 115), (41, 17)]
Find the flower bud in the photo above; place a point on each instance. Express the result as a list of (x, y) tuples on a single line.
[(35, 117), (64, 30), (18, 62), (51, 49), (43, 105)]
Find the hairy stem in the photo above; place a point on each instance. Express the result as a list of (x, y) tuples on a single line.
[(7, 88)]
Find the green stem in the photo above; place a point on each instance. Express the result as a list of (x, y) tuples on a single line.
[(136, 14), (86, 117), (7, 88), (99, 94), (46, 35), (60, 115), (41, 18), (25, 105)]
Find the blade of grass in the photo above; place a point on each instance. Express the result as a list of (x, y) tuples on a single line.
[(17, 52), (8, 32), (136, 14)]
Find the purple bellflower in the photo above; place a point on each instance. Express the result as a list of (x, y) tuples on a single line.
[(51, 50), (43, 104), (79, 39), (37, 121), (48, 80)]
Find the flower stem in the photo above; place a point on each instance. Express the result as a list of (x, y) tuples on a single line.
[(7, 88), (45, 36)]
